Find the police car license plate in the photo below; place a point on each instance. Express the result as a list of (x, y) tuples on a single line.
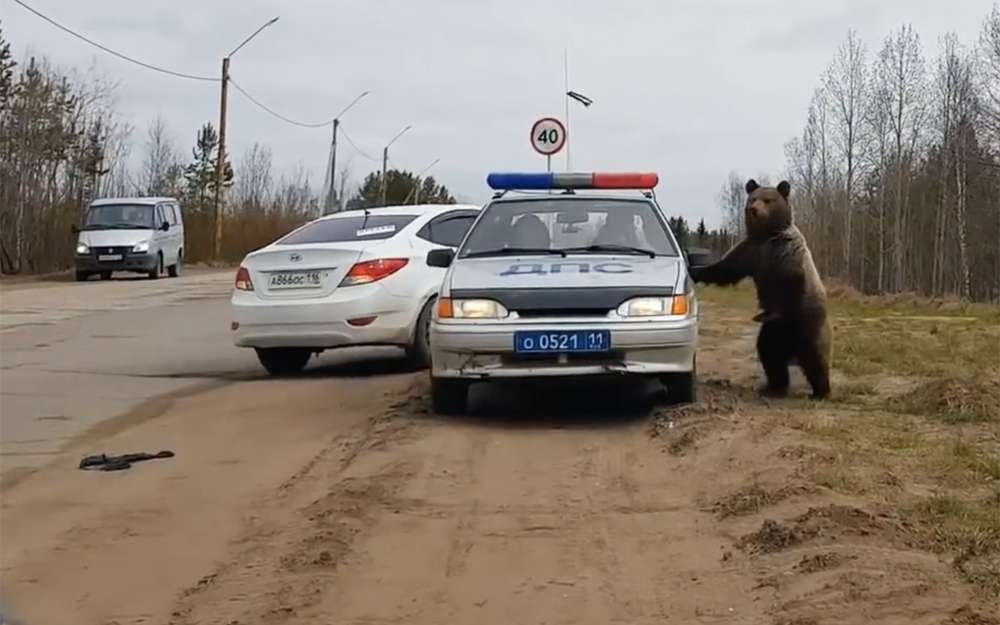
[(295, 280), (109, 257), (561, 342)]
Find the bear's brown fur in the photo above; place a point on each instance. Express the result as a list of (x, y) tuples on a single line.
[(795, 327)]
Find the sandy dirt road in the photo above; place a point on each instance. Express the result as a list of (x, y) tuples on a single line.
[(338, 498)]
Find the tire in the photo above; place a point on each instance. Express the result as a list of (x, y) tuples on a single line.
[(419, 352), (82, 276), (105, 275), (681, 387), (175, 270), (284, 360), (449, 396), (155, 273)]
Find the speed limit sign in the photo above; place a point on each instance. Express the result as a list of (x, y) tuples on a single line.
[(548, 136)]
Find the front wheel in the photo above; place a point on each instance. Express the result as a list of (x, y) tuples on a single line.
[(155, 273), (419, 352), (449, 396), (105, 275), (284, 360), (82, 276), (175, 270), (681, 387)]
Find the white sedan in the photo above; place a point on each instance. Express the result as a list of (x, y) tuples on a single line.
[(353, 278)]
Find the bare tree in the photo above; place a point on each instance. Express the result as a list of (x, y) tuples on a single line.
[(900, 70), (846, 84), (732, 200), (253, 179), (159, 164)]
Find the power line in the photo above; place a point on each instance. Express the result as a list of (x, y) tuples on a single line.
[(267, 109), (112, 52), (356, 148)]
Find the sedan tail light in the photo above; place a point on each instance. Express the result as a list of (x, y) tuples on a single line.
[(243, 281), (373, 270)]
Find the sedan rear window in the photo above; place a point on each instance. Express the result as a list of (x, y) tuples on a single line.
[(371, 228)]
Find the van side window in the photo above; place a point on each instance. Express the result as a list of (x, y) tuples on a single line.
[(159, 215), (172, 211)]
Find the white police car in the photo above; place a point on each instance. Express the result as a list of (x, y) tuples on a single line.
[(551, 281)]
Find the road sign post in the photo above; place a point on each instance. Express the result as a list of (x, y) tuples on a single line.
[(548, 136)]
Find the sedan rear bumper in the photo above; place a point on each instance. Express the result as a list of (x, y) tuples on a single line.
[(475, 351)]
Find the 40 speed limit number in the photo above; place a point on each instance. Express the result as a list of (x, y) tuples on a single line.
[(548, 136)]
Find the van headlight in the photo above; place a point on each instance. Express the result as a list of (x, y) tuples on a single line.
[(141, 247), (655, 306), (82, 249), (470, 309)]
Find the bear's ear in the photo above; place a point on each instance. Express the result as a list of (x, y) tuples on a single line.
[(752, 186), (784, 188)]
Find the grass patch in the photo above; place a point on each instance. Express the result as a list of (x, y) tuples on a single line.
[(969, 529), (970, 399)]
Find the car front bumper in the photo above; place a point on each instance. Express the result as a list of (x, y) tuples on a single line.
[(323, 322), (139, 262), (484, 351)]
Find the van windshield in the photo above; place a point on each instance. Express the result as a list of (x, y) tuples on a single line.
[(124, 216)]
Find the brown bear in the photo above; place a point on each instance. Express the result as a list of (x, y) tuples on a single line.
[(795, 327)]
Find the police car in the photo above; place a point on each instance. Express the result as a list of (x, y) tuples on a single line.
[(564, 274)]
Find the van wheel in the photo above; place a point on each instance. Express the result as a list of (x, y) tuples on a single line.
[(105, 275), (449, 396), (284, 360), (175, 270), (82, 276), (154, 274), (419, 352)]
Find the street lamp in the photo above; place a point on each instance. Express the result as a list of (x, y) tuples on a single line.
[(415, 191), (331, 195), (385, 161), (220, 164)]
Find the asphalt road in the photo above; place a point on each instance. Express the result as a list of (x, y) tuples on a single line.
[(76, 356)]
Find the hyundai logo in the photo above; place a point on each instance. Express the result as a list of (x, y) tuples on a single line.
[(295, 257)]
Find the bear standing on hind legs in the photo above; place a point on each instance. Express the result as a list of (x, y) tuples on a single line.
[(792, 299)]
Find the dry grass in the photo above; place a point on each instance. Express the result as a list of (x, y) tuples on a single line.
[(915, 426)]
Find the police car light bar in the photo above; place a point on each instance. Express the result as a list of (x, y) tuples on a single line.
[(556, 180)]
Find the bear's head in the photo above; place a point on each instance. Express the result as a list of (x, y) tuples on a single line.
[(767, 211)]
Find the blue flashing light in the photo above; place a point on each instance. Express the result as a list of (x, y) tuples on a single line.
[(520, 181)]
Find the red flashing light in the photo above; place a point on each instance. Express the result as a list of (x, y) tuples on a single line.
[(626, 181)]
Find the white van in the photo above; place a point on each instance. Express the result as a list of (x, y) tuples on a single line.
[(139, 235)]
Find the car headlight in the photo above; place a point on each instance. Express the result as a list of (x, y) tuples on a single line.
[(470, 309), (82, 249), (655, 306), (141, 247)]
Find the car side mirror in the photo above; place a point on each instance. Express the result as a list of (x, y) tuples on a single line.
[(165, 226), (75, 229), (440, 257)]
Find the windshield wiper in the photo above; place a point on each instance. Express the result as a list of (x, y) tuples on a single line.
[(507, 251), (611, 247)]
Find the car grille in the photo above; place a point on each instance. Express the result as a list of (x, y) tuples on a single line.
[(101, 251), (528, 313)]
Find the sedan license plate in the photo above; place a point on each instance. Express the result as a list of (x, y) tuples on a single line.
[(295, 280), (561, 342), (109, 257)]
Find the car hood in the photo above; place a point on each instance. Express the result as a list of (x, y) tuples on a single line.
[(114, 238), (585, 270)]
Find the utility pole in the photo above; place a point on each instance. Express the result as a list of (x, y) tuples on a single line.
[(331, 194), (385, 163), (220, 163), (331, 201)]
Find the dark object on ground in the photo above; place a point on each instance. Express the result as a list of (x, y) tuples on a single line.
[(104, 462)]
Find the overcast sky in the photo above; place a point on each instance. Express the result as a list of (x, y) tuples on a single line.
[(691, 89)]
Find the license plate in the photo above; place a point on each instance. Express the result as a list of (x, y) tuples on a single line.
[(561, 342), (295, 280), (109, 257)]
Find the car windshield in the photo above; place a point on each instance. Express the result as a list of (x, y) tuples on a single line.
[(360, 228), (574, 226), (119, 216)]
